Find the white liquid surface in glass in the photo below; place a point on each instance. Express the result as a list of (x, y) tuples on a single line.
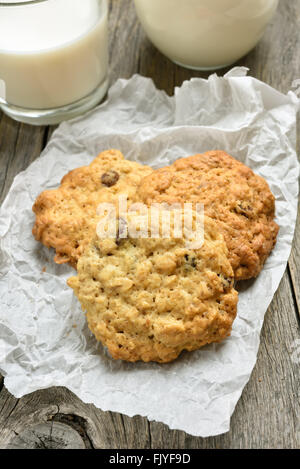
[(52, 53), (205, 33)]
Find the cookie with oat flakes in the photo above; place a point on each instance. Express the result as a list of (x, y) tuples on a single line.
[(66, 218), (151, 298), (239, 200)]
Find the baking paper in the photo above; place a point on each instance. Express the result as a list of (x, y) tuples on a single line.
[(44, 339)]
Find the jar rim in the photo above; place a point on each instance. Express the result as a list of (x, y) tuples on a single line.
[(20, 2)]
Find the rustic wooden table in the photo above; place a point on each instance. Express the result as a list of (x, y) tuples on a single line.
[(268, 413)]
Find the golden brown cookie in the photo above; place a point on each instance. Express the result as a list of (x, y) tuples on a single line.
[(66, 217), (151, 298), (239, 200)]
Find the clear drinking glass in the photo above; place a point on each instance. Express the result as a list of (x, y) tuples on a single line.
[(53, 58), (205, 34)]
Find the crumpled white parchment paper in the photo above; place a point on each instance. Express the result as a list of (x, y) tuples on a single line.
[(44, 340)]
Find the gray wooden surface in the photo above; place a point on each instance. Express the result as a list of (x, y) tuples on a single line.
[(268, 413)]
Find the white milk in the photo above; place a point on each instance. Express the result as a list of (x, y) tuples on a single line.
[(52, 53), (205, 33)]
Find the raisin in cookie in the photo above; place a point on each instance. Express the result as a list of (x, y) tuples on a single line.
[(66, 217), (151, 298), (239, 200)]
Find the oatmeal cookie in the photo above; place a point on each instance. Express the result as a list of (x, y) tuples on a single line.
[(239, 200), (151, 298), (66, 217)]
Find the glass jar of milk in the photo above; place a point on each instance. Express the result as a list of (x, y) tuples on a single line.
[(205, 34), (53, 58)]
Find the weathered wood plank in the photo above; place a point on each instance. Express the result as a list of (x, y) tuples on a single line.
[(20, 144), (48, 436), (96, 428), (268, 414), (294, 266)]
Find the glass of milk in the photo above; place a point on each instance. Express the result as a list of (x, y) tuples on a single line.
[(205, 34), (53, 58)]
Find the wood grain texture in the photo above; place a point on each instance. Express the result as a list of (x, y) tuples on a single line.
[(294, 265), (20, 144), (268, 413)]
